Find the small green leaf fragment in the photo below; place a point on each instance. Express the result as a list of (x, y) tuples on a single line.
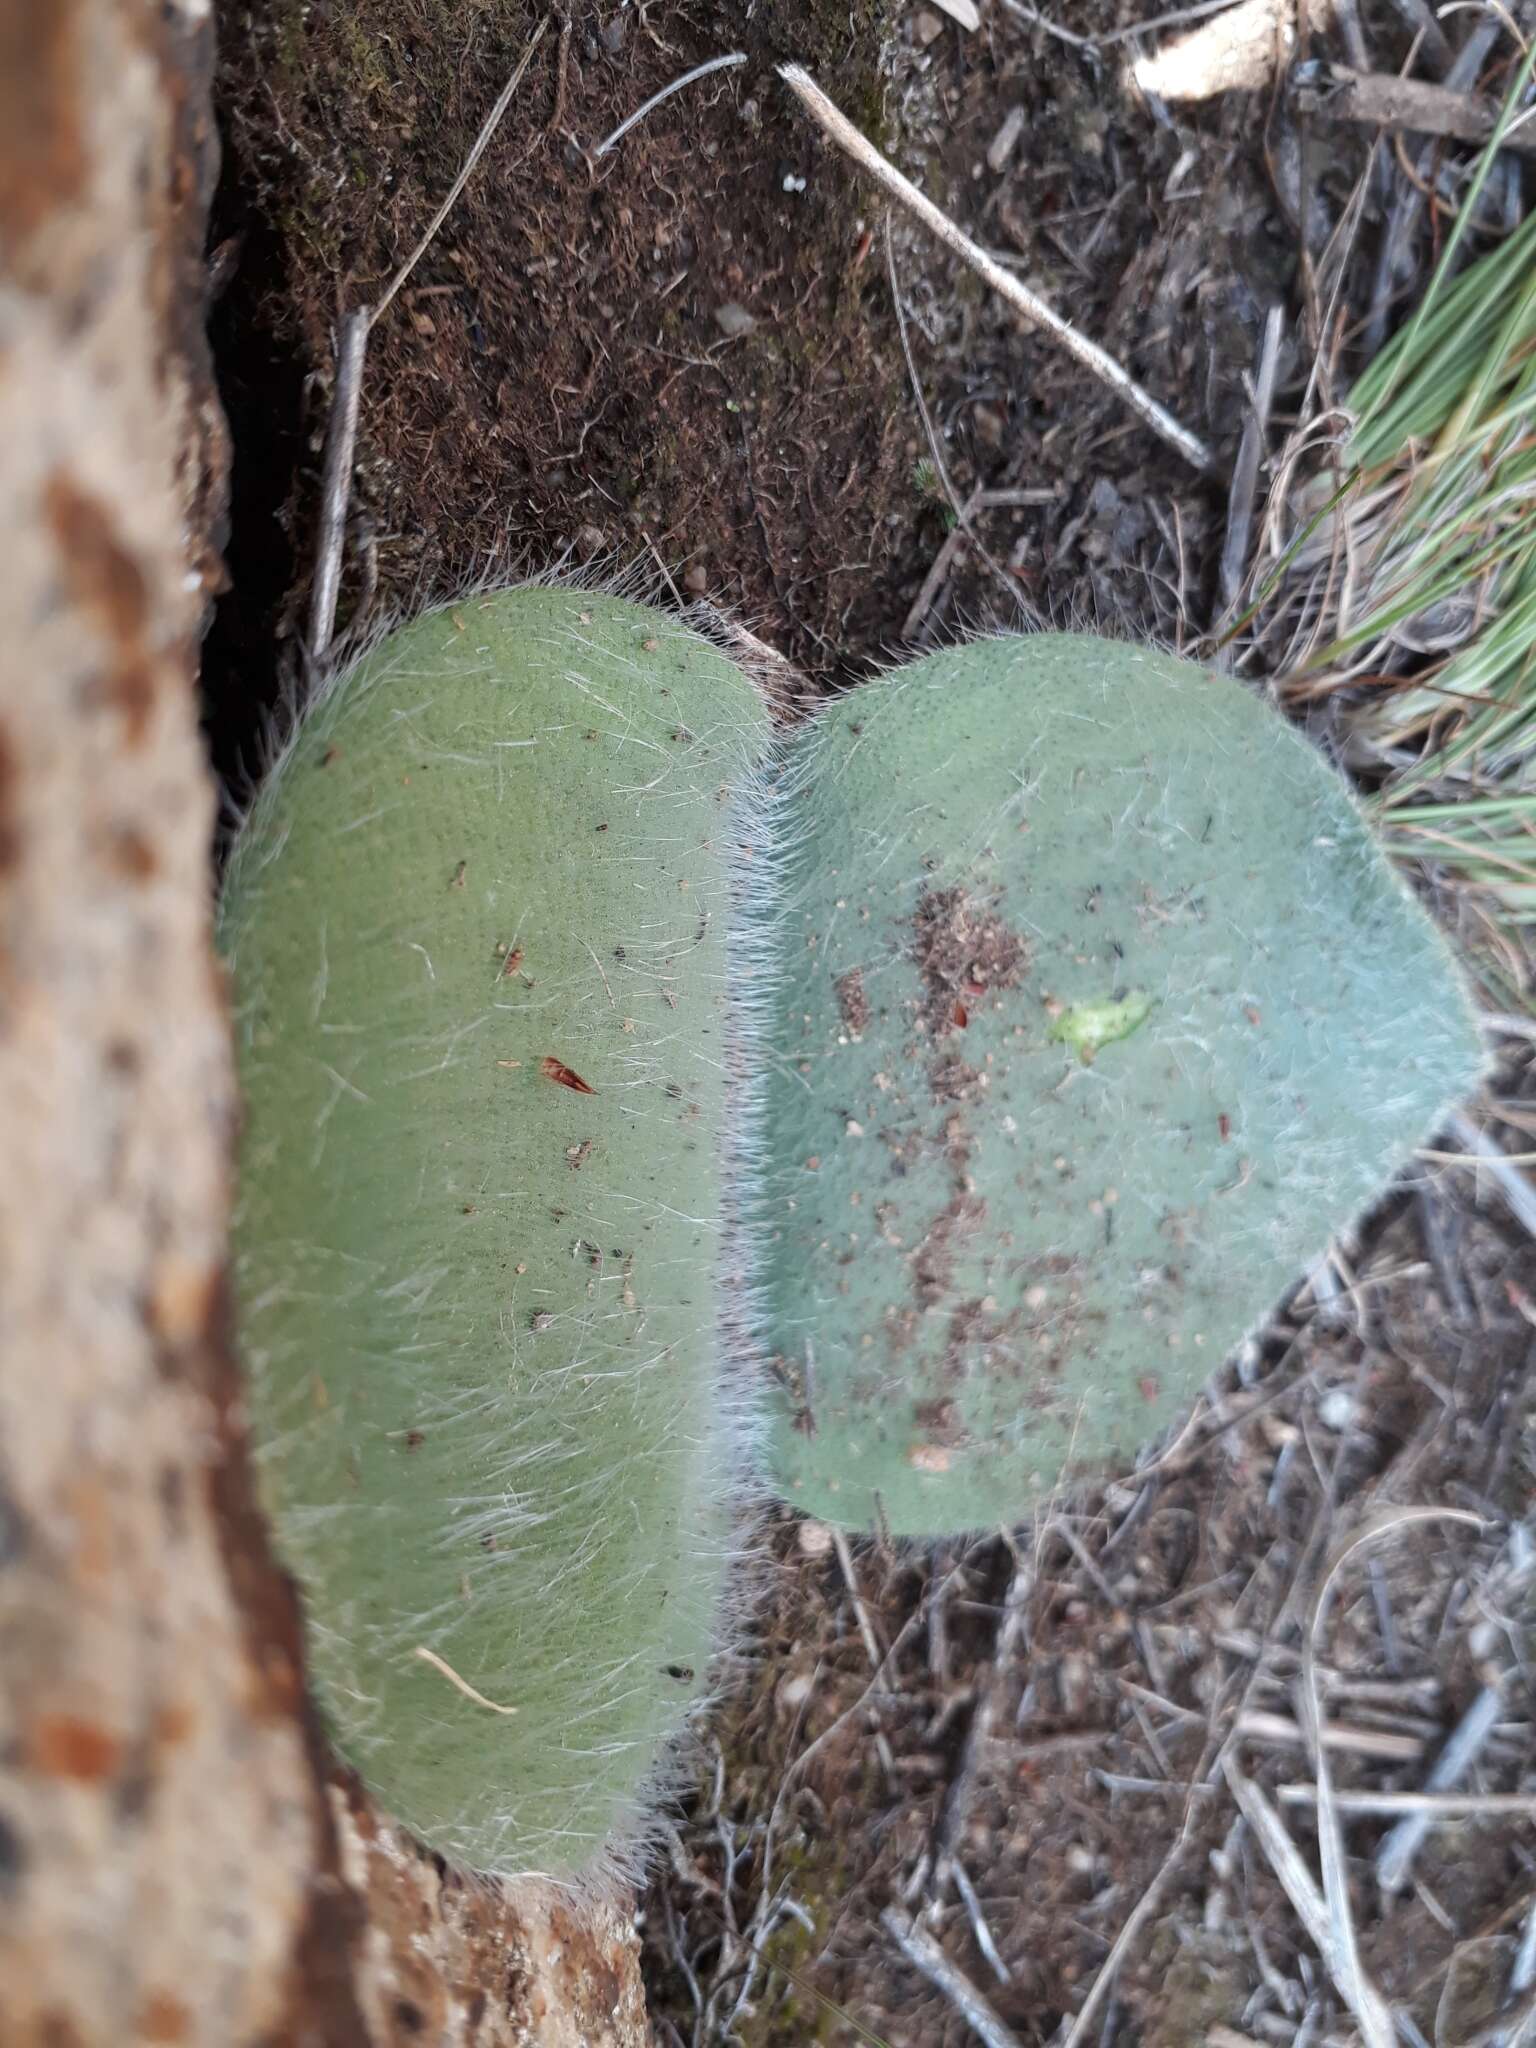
[(1088, 1026)]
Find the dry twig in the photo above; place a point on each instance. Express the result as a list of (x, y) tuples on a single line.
[(1289, 1866), (1374, 1742), (1513, 1185), (336, 478), (1425, 1807), (1394, 1859), (924, 1953), (836, 124), (1383, 100)]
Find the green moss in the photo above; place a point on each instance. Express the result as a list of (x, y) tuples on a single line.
[(841, 43), (1201, 1984), (359, 55), (789, 2011)]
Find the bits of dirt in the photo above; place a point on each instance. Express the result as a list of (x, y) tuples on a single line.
[(938, 1419), (952, 1079), (933, 1261), (962, 952), (796, 1384), (852, 1002), (975, 1327)]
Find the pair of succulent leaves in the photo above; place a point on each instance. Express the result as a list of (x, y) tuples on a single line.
[(644, 1105)]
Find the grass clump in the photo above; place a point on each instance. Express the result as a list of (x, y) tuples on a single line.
[(1418, 582)]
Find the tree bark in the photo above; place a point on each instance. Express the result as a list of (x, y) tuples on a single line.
[(180, 1859)]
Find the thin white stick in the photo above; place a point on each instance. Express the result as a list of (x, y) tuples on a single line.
[(466, 169), (1394, 1859), (1514, 1187), (336, 484), (1103, 365), (656, 98), (924, 1953), (1261, 1726), (872, 1649), (979, 1927), (1283, 1857), (1426, 1806)]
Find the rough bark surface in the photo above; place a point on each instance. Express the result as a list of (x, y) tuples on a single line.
[(179, 1860)]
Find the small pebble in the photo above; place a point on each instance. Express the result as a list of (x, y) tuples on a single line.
[(1006, 140), (1337, 1410), (793, 1693)]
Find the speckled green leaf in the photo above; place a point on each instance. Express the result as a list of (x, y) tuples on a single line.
[(1100, 1011), (479, 927)]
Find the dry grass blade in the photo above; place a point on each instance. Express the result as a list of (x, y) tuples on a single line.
[(964, 527), (351, 352), (699, 71), (1245, 473), (1408, 592), (477, 150)]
